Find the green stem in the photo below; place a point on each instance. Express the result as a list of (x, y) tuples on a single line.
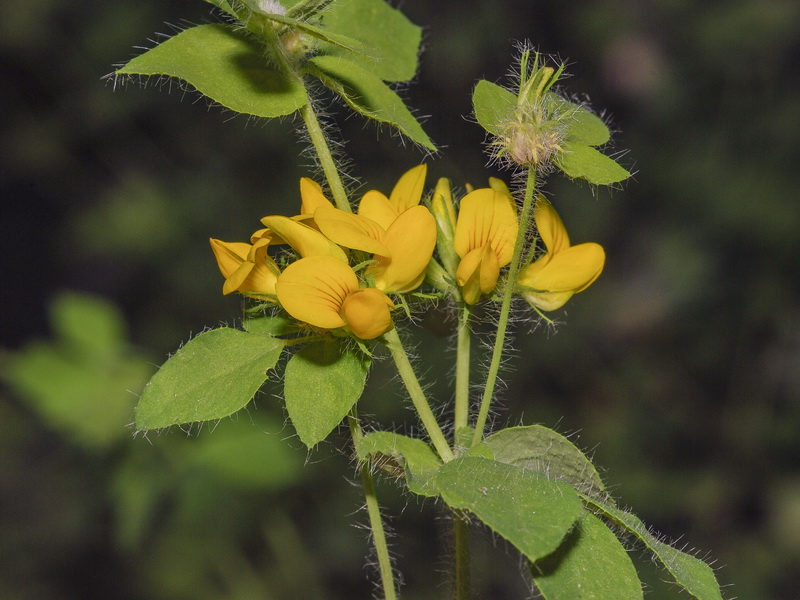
[(406, 372), (462, 369), (461, 535), (374, 512), (505, 308), (324, 155)]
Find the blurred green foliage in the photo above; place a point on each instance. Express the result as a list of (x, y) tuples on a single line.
[(679, 367)]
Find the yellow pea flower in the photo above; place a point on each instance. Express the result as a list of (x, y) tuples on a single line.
[(563, 270), (323, 292), (397, 231), (406, 193), (486, 230), (245, 267)]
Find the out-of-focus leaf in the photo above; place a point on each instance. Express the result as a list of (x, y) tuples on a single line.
[(84, 383)]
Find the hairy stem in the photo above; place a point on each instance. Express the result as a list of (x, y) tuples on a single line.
[(406, 372), (325, 157), (462, 588), (462, 369), (505, 308), (374, 513)]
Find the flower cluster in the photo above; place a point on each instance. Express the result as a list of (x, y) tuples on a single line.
[(343, 266)]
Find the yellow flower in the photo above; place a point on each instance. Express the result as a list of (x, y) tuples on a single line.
[(397, 231), (486, 231), (246, 268), (563, 270), (323, 292)]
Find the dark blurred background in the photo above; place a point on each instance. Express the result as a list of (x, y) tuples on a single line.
[(679, 369)]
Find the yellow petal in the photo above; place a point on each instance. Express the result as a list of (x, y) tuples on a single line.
[(351, 231), (229, 255), (305, 240), (408, 190), (487, 216), (548, 300), (477, 273), (311, 196), (313, 290), (410, 241), (376, 206), (550, 226), (367, 314)]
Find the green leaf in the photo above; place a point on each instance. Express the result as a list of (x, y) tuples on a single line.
[(545, 451), (584, 162), (323, 382), (365, 93), (212, 376), (403, 455), (223, 63), (583, 127), (591, 564), (89, 326), (390, 40), (494, 106), (692, 574), (529, 510)]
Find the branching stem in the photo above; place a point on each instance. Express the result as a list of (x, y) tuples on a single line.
[(461, 418)]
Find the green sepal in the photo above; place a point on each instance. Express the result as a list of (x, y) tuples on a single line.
[(401, 455), (322, 383), (210, 377), (691, 573), (368, 95), (545, 451), (530, 511), (494, 105), (226, 65), (591, 563), (580, 161), (391, 40)]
